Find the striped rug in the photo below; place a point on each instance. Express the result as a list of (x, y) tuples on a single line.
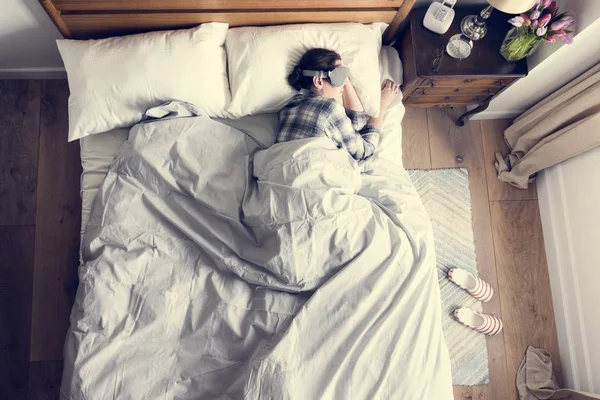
[(446, 197)]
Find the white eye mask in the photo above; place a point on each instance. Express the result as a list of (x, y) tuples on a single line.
[(337, 77)]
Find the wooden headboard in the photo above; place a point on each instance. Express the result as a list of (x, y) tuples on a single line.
[(89, 19)]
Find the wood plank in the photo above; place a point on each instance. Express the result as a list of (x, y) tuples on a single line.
[(415, 139), (55, 16), (446, 142), (430, 101), (19, 126), (105, 24), (113, 5), (44, 380), (392, 30), (455, 91), (527, 310), (16, 277), (493, 141), (57, 226)]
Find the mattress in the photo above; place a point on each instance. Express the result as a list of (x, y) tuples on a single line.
[(98, 151)]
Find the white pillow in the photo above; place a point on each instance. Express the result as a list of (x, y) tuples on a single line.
[(261, 58), (114, 81)]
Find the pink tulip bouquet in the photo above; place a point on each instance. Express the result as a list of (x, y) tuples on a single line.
[(542, 23)]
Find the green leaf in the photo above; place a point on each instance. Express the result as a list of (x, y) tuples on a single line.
[(557, 17)]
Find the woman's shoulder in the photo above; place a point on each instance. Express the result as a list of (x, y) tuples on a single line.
[(308, 99)]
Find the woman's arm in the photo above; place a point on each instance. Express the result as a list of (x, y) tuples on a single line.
[(361, 144), (350, 98)]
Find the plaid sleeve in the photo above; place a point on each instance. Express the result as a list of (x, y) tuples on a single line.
[(358, 119), (360, 144)]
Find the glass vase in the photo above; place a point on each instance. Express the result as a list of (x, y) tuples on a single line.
[(519, 43)]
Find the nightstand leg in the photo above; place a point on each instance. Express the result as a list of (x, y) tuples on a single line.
[(461, 120)]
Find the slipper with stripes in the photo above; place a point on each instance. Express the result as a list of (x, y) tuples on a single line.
[(478, 288), (486, 324)]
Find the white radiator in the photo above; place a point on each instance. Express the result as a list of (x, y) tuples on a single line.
[(569, 199)]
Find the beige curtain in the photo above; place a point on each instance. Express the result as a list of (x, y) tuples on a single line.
[(535, 380), (563, 125)]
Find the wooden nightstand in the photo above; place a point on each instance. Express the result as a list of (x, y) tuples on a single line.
[(474, 80)]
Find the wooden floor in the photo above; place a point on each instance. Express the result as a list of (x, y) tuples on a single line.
[(39, 237)]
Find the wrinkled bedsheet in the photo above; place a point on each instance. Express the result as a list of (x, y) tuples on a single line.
[(215, 269)]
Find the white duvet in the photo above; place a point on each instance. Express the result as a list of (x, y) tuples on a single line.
[(214, 269)]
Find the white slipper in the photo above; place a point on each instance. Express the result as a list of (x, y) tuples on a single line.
[(486, 324), (478, 288)]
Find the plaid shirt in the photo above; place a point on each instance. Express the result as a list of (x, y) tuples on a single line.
[(309, 114)]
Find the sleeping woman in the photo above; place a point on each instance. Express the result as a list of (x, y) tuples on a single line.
[(327, 105)]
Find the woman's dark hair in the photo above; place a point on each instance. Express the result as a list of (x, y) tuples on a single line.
[(314, 60)]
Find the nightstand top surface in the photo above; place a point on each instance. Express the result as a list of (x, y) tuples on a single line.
[(485, 58)]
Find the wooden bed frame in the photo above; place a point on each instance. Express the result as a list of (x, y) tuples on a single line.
[(92, 19)]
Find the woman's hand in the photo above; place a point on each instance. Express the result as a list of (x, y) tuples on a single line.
[(389, 91)]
